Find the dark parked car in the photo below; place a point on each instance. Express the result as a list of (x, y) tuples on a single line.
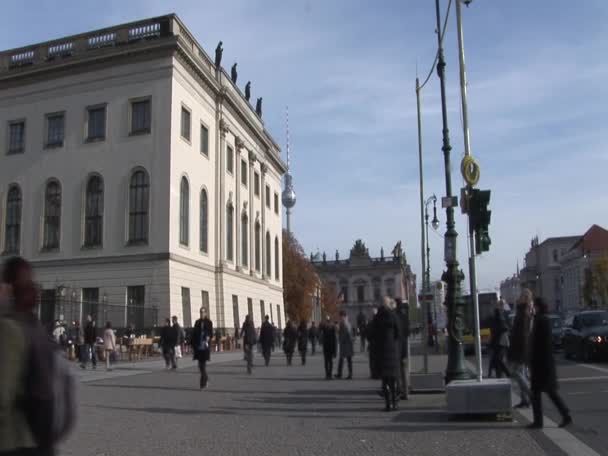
[(587, 336), (557, 330)]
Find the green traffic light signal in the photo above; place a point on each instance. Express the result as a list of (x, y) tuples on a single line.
[(480, 218)]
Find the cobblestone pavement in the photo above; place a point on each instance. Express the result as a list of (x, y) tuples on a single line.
[(277, 410)]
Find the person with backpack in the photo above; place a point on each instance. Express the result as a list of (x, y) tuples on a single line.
[(89, 344), (38, 399), (267, 338), (249, 338), (201, 345), (168, 341)]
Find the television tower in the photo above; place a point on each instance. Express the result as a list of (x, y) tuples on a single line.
[(289, 196)]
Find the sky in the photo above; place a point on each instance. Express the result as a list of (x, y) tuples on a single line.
[(346, 68)]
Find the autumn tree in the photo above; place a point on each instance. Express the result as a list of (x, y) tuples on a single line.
[(299, 279), (595, 289), (330, 302)]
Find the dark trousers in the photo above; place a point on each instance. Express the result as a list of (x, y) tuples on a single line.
[(88, 352), (169, 355), (389, 389), (249, 357), (537, 404), (362, 343), (303, 356), (497, 362), (328, 359), (289, 356), (202, 367), (314, 347), (266, 351), (349, 361)]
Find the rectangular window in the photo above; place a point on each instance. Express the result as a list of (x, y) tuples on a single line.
[(96, 123), (250, 307), (90, 303), (229, 159), (262, 310), (186, 309), (235, 312), (140, 117), (204, 140), (48, 299), (268, 197), (185, 127), (256, 183), (55, 129), (276, 203), (136, 296), (16, 137), (344, 293), (205, 302), (244, 173), (361, 293)]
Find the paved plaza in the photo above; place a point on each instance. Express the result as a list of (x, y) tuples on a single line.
[(140, 409)]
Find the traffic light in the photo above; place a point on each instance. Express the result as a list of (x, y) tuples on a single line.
[(480, 219)]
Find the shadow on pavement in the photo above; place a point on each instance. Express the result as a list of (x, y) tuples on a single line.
[(162, 410)]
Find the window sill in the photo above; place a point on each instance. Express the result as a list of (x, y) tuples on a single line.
[(53, 145), (184, 246), (136, 243), (206, 155), (49, 249), (186, 140), (230, 172), (145, 131), (95, 140), (91, 247), (15, 151)]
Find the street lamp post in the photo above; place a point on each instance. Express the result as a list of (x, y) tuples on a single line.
[(431, 315), (452, 276)]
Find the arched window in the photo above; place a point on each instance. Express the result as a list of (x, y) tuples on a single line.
[(12, 232), (184, 212), (276, 258), (257, 246), (268, 256), (139, 197), (230, 232), (93, 212), (244, 240), (52, 215), (204, 222)]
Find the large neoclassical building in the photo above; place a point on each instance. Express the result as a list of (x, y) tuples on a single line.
[(136, 176)]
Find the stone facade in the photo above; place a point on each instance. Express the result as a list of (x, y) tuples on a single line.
[(362, 280), (131, 160), (510, 289)]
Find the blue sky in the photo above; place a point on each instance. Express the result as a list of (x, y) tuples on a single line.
[(537, 107)]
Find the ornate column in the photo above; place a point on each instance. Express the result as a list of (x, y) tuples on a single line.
[(221, 239), (252, 218), (264, 169), (239, 144)]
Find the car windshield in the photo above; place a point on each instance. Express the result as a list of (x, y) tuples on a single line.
[(594, 319)]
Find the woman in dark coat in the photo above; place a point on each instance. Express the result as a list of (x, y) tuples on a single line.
[(499, 343), (201, 345), (303, 340), (542, 367), (386, 351), (290, 336), (248, 336)]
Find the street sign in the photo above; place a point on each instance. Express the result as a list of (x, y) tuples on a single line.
[(449, 201)]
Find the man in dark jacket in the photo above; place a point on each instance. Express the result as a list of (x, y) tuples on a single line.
[(267, 337), (328, 337), (290, 337), (303, 340), (201, 345), (168, 341), (249, 340), (542, 367), (313, 335), (403, 318), (345, 339), (89, 344), (519, 347)]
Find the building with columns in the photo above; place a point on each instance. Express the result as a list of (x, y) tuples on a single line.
[(362, 281), (138, 179)]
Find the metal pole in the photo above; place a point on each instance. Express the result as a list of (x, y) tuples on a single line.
[(422, 235), (467, 151), (452, 276)]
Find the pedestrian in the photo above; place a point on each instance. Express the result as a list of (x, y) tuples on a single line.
[(361, 326), (79, 341), (313, 337), (267, 338), (542, 368), (403, 318), (345, 340), (34, 414), (109, 345), (168, 340), (249, 340), (303, 340), (201, 345), (130, 341), (330, 346), (518, 352), (90, 338), (499, 343), (181, 337), (290, 336), (386, 340)]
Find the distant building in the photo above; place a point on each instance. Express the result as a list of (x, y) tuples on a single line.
[(510, 289), (362, 281), (542, 269), (577, 263)]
